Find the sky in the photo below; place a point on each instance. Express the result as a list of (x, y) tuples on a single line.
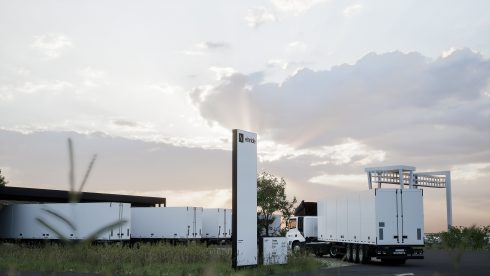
[(154, 88)]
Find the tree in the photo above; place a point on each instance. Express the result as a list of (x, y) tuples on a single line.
[(3, 182), (271, 198)]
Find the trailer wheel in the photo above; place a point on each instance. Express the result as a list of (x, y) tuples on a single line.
[(363, 254), (334, 251), (355, 253), (348, 253)]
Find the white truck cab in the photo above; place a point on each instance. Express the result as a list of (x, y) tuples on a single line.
[(301, 229)]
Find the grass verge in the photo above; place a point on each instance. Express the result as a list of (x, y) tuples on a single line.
[(145, 259)]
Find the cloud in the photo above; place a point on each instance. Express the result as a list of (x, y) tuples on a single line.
[(53, 87), (347, 152), (6, 94), (193, 53), (212, 45), (296, 46), (470, 171), (296, 7), (352, 10), (394, 102), (165, 88), (283, 64), (222, 72), (51, 45), (210, 198), (93, 77), (122, 164), (204, 47), (258, 16), (344, 181)]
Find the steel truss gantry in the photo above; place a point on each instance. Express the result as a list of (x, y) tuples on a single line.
[(406, 176)]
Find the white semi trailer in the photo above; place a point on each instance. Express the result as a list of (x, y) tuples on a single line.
[(75, 221), (172, 223), (216, 224), (381, 223), (387, 224)]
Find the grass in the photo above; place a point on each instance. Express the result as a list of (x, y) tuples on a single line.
[(145, 259)]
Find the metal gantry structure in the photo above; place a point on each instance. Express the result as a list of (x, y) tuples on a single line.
[(406, 176)]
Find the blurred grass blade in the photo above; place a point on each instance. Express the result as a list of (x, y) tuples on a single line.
[(104, 229), (87, 173), (71, 174), (60, 217), (56, 232)]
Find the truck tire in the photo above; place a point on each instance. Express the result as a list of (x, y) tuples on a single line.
[(355, 253), (296, 247), (334, 252), (363, 254), (348, 253)]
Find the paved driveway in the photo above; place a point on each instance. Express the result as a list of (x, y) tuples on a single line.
[(436, 262)]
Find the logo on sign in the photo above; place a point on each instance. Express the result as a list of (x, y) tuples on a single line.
[(242, 138)]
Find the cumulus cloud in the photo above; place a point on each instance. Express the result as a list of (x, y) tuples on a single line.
[(344, 181), (212, 45), (258, 16), (296, 7), (470, 171), (166, 89), (352, 10), (394, 102), (5, 93), (296, 46), (43, 86), (283, 64), (347, 152), (204, 47), (93, 77), (222, 72), (51, 45)]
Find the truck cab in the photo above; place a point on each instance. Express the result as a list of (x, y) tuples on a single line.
[(301, 230)]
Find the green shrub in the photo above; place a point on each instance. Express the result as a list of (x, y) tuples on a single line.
[(461, 237)]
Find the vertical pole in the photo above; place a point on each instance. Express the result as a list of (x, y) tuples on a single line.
[(449, 201), (400, 176), (411, 180), (379, 180), (370, 184)]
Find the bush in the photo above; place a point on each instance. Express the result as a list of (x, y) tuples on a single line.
[(472, 237)]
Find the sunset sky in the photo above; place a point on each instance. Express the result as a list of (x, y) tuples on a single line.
[(154, 88)]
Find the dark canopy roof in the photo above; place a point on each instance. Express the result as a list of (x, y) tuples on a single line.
[(306, 209), (60, 196)]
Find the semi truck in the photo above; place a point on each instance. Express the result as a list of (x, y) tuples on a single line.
[(72, 221), (381, 223), (386, 224)]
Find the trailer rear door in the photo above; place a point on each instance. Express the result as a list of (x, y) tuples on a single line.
[(412, 227), (387, 222)]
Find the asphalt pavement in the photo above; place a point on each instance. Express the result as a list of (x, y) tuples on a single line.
[(436, 263)]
